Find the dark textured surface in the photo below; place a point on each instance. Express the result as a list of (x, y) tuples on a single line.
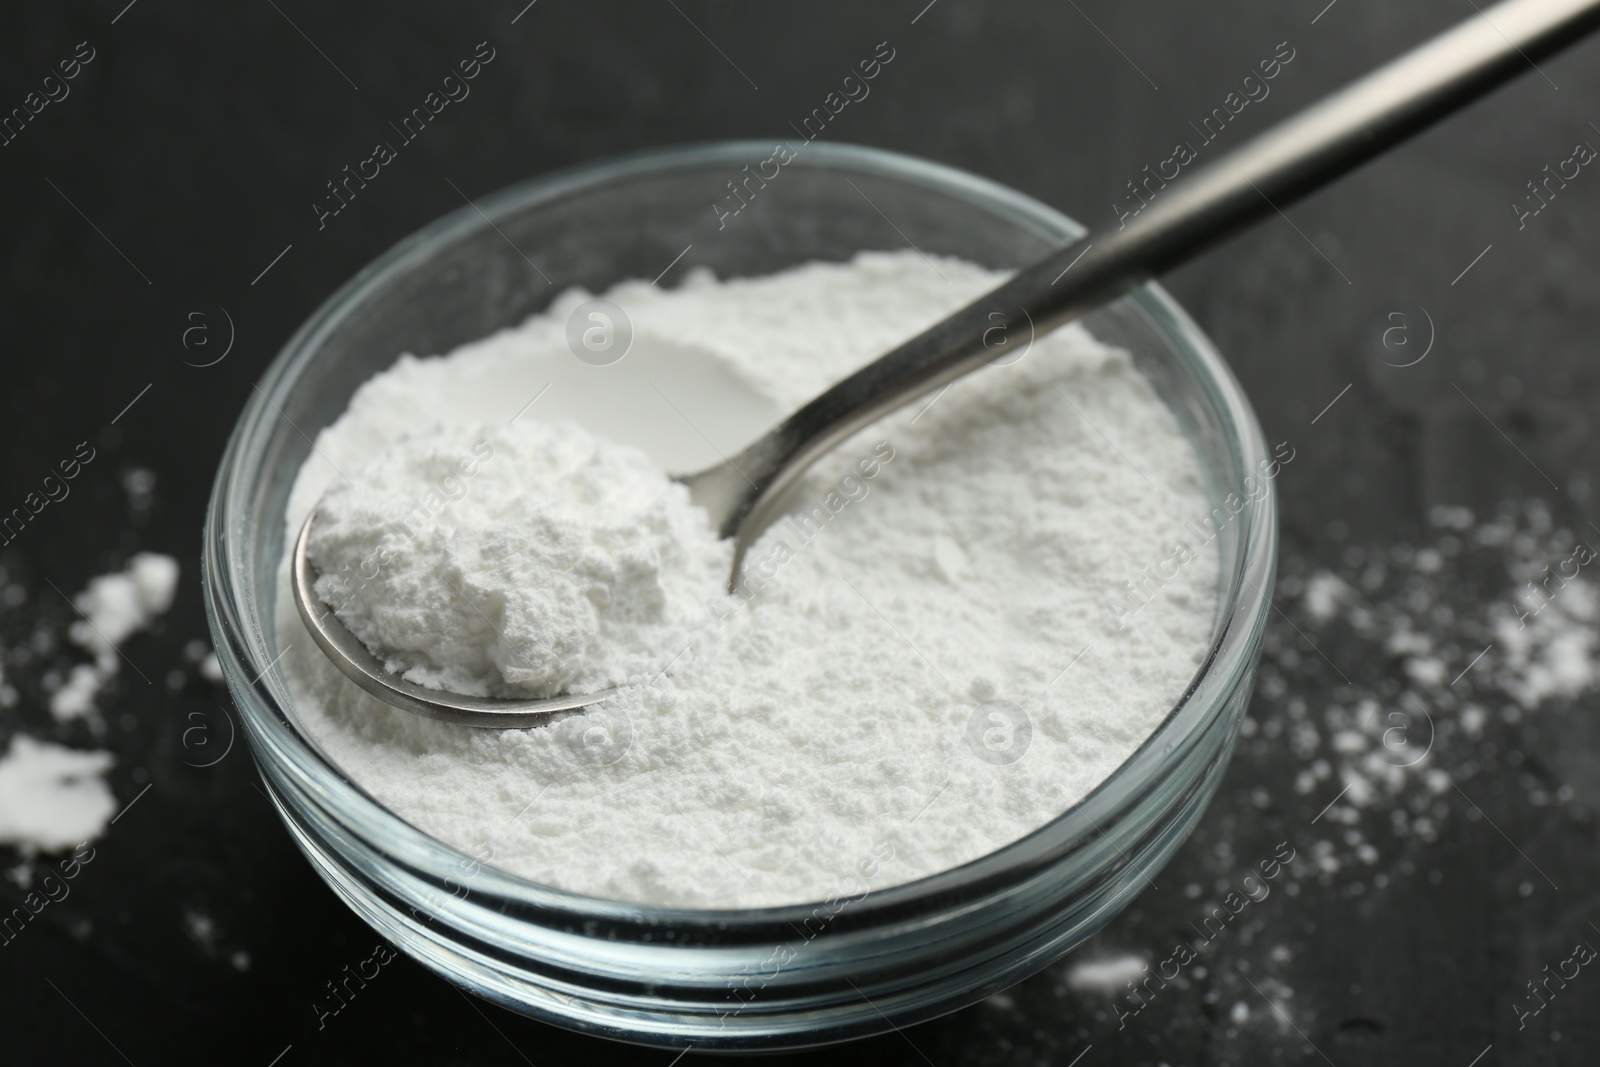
[(197, 140)]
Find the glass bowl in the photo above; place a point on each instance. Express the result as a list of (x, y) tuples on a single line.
[(768, 978)]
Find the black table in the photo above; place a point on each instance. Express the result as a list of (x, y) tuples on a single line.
[(177, 176)]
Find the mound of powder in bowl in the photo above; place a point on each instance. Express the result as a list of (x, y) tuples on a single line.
[(932, 654)]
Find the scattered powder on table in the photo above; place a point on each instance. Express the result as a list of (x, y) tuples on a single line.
[(927, 665), (1420, 653), (113, 608), (1415, 698), (53, 797)]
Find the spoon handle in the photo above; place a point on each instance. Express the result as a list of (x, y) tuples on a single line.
[(1295, 157)]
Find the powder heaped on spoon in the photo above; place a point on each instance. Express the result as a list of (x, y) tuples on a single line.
[(526, 559)]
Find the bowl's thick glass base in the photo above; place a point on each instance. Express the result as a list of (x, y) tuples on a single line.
[(806, 988)]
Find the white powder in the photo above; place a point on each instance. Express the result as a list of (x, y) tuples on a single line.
[(1550, 652), (1403, 674), (892, 697), (1324, 593), (562, 564), (1109, 975), (114, 607), (52, 797)]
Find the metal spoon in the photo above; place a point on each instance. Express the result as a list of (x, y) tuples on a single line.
[(1301, 154)]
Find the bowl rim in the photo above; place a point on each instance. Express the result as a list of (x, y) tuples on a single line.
[(261, 698)]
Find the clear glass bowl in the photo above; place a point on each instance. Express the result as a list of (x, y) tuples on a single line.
[(728, 979)]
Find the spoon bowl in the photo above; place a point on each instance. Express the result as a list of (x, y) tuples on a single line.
[(358, 663)]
